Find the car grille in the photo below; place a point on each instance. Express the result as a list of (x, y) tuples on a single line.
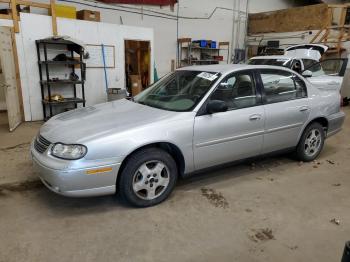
[(41, 144)]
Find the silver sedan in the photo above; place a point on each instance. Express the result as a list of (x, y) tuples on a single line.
[(190, 120)]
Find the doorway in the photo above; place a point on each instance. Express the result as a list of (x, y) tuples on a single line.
[(137, 65), (10, 96)]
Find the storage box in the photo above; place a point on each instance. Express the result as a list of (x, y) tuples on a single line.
[(218, 58), (136, 84), (202, 43), (212, 44), (66, 11), (89, 15)]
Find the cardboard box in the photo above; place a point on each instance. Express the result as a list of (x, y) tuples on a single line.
[(66, 11), (136, 84), (89, 15)]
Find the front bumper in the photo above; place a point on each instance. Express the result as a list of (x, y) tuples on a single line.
[(93, 179)]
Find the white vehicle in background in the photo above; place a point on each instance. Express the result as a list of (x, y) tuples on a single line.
[(305, 60)]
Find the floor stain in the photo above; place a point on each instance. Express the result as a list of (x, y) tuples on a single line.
[(20, 187), (19, 146), (215, 198), (261, 235)]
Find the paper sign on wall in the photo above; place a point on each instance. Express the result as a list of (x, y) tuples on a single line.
[(95, 59)]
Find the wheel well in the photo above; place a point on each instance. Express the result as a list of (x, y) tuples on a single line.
[(323, 121), (172, 149)]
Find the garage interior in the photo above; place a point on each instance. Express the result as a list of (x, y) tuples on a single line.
[(60, 55)]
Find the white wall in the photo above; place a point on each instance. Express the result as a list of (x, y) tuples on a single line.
[(257, 6), (88, 32), (221, 20), (199, 19), (218, 27)]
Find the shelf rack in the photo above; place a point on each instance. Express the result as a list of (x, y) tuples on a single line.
[(46, 82), (186, 47)]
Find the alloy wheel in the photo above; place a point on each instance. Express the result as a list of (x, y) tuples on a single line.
[(151, 180), (312, 142)]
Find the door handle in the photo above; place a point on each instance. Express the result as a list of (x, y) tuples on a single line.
[(303, 108), (255, 117)]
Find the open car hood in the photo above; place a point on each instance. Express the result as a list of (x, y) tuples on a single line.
[(312, 51)]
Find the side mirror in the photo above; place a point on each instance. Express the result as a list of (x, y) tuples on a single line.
[(216, 106), (307, 73)]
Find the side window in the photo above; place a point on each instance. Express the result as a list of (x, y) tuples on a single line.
[(330, 67), (237, 91), (282, 86), (310, 62)]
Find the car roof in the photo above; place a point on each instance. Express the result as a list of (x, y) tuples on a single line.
[(228, 68)]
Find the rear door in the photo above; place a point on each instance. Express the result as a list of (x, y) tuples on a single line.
[(328, 74), (286, 108)]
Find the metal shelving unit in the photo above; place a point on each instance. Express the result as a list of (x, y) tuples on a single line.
[(189, 51), (46, 80)]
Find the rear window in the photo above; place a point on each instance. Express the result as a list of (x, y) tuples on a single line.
[(272, 62)]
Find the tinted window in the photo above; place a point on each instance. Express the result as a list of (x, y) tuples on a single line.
[(282, 86), (237, 91), (310, 62)]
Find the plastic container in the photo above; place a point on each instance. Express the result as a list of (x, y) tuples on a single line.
[(202, 43)]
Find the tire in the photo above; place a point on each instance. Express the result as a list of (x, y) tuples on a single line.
[(311, 142), (148, 178)]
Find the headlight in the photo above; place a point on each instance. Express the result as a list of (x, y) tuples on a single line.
[(70, 152)]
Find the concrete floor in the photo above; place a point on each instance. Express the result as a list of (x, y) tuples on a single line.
[(274, 210)]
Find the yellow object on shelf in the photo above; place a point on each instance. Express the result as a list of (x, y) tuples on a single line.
[(66, 11)]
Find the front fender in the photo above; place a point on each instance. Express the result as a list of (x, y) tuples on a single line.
[(177, 131)]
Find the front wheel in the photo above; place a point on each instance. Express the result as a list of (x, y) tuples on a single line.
[(311, 143), (148, 178)]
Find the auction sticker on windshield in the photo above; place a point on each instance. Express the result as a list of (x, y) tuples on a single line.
[(208, 76)]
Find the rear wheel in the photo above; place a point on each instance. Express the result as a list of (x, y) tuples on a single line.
[(148, 178), (311, 143)]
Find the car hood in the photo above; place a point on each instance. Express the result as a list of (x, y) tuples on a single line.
[(91, 122)]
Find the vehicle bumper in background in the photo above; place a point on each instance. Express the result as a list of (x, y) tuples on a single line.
[(335, 122), (92, 181)]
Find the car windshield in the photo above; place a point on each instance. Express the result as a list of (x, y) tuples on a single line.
[(179, 91), (270, 61)]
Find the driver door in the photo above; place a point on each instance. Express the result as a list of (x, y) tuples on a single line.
[(327, 74), (236, 133)]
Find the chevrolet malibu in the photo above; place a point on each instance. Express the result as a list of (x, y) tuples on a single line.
[(192, 119)]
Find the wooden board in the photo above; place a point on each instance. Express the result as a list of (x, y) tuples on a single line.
[(313, 17), (10, 84), (95, 59)]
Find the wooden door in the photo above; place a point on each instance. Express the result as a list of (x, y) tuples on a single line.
[(9, 84)]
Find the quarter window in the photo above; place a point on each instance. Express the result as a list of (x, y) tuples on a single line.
[(237, 91), (282, 86)]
